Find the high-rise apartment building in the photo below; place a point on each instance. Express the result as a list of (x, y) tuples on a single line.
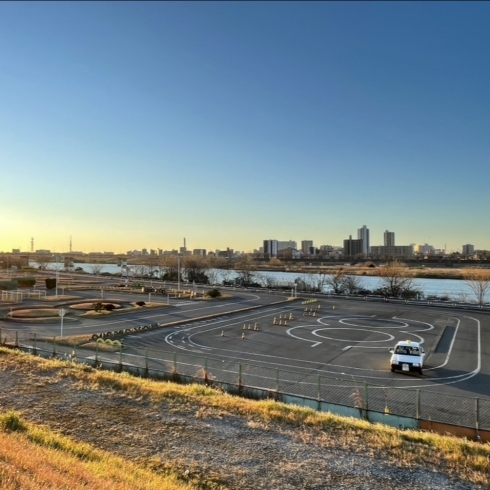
[(468, 249), (392, 252), (353, 247), (270, 248), (363, 234), (389, 238), (306, 246)]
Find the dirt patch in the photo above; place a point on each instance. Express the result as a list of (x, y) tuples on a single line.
[(59, 298), (34, 313)]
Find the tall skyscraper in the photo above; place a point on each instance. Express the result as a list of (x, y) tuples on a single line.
[(363, 234), (468, 249), (389, 238)]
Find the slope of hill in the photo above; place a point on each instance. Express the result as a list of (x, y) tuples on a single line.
[(212, 440)]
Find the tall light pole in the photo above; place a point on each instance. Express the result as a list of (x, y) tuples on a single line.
[(61, 313), (57, 258)]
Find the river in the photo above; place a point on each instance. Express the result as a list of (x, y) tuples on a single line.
[(455, 289)]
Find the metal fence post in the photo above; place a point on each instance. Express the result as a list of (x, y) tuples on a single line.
[(205, 366), (54, 346), (319, 393), (366, 401), (120, 357), (146, 361), (35, 342), (477, 418), (277, 380), (239, 376), (16, 338), (96, 353), (417, 403), (175, 362)]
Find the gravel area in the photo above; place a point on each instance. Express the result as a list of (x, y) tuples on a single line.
[(221, 450)]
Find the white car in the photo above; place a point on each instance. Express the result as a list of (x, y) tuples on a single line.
[(407, 356)]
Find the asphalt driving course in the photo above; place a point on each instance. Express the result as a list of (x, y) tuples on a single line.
[(347, 340), (351, 341)]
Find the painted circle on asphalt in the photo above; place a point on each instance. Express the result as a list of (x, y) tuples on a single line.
[(384, 334), (375, 323)]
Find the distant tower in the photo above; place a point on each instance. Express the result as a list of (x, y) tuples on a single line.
[(32, 245), (70, 243), (389, 238), (184, 243), (363, 234)]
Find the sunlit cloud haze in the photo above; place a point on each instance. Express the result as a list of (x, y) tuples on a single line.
[(129, 125)]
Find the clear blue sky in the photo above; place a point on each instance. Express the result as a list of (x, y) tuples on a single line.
[(131, 125)]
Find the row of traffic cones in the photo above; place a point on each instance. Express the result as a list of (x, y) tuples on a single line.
[(282, 320), (249, 327)]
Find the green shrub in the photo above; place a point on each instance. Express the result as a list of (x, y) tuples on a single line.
[(8, 285), (25, 282), (97, 306), (214, 293), (100, 341), (116, 343), (108, 342), (50, 283)]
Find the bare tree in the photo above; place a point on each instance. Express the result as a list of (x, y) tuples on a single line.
[(478, 280), (95, 269), (352, 284), (168, 267), (212, 276), (305, 283), (396, 280), (268, 281), (43, 261), (245, 274), (140, 270), (195, 269), (336, 281)]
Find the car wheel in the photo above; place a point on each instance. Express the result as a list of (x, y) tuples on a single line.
[(392, 370), (421, 372)]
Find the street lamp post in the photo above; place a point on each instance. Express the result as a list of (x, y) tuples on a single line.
[(61, 313)]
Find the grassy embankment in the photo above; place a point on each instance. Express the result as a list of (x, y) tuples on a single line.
[(466, 459), (35, 458)]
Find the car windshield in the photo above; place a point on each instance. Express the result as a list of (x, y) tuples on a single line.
[(407, 351)]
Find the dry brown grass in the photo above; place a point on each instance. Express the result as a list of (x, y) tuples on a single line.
[(465, 459), (35, 458), (35, 313), (59, 298)]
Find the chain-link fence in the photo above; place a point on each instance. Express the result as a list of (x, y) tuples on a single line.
[(423, 404)]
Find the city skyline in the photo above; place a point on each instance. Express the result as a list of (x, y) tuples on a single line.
[(388, 239), (131, 125)]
